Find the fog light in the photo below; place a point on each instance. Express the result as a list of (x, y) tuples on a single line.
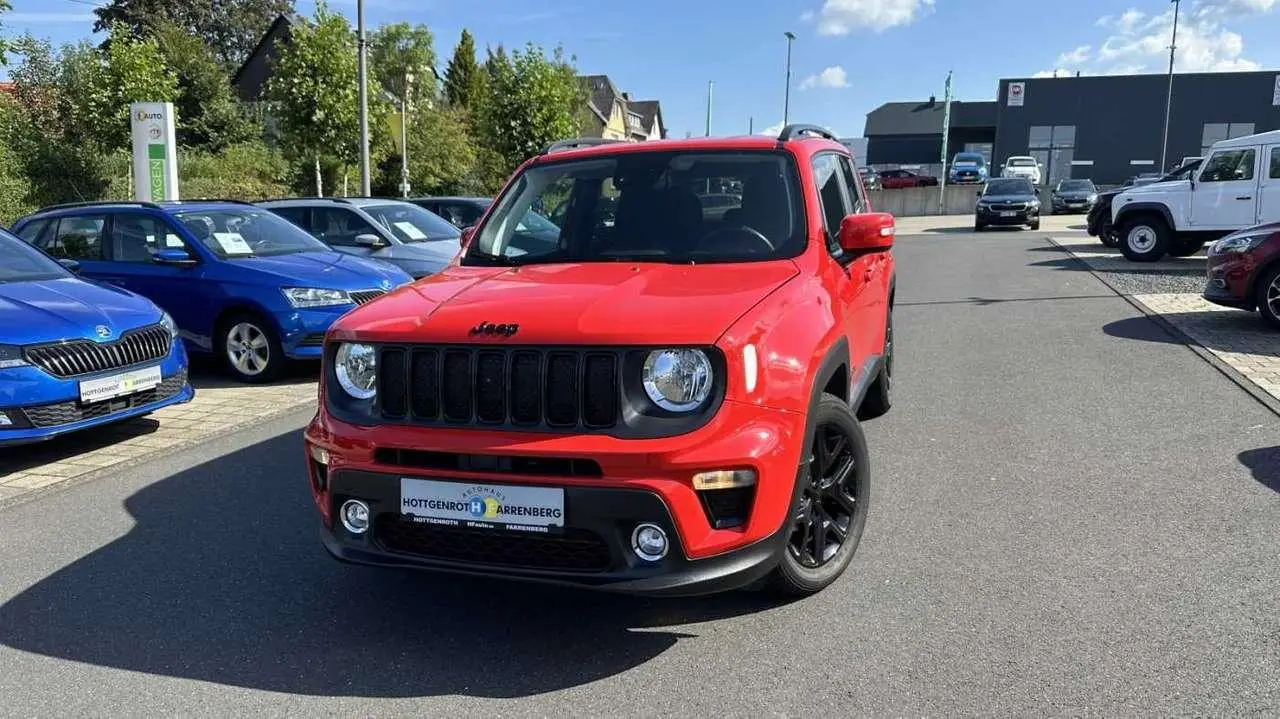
[(724, 479), (649, 542), (355, 516), (1219, 283), (320, 454)]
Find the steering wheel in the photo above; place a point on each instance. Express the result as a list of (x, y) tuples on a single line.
[(745, 235)]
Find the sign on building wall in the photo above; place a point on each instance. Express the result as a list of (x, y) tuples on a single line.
[(155, 162), (1017, 93), (1275, 94)]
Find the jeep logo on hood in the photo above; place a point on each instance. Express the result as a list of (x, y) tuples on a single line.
[(488, 328)]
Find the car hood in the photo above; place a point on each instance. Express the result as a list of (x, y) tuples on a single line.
[(1009, 198), (1074, 195), (332, 270), (69, 308), (571, 304), (1130, 194)]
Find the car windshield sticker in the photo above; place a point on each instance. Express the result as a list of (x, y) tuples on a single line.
[(233, 243), (411, 231)]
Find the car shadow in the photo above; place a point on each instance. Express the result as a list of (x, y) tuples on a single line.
[(1068, 262), (1225, 331), (222, 579), (1265, 465), (207, 373), (966, 230)]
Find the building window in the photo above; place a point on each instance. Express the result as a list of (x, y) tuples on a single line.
[(1053, 146), (634, 122), (1219, 131)]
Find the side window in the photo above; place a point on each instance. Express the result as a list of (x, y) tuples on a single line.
[(855, 189), (76, 238), (1275, 163), (338, 227), (299, 216), (1229, 166), (467, 215), (826, 175), (136, 237), (32, 230)]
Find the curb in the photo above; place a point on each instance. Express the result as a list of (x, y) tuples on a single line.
[(1231, 373), (102, 472)]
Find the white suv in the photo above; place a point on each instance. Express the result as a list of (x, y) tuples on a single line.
[(1236, 187), (1022, 166)]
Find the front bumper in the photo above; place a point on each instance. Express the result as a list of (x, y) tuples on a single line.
[(1229, 280), (38, 407), (1060, 205), (1007, 217), (302, 331), (634, 481)]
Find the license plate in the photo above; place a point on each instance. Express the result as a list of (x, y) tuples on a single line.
[(118, 385), (1008, 214), (485, 506)]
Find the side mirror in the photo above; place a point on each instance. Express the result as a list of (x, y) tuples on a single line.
[(180, 258), (467, 233), (370, 240), (71, 265), (870, 231)]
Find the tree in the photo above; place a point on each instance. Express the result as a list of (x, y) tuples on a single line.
[(5, 6), (531, 101), (100, 84), (401, 49), (208, 114), (463, 81), (231, 27), (313, 88)]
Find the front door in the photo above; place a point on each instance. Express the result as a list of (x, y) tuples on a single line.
[(338, 228), (1269, 189), (1226, 193)]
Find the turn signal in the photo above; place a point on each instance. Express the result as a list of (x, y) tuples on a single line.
[(724, 479)]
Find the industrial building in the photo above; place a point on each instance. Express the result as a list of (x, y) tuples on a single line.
[(1105, 128)]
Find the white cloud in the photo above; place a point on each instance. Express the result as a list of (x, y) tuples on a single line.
[(834, 76), (1139, 42), (772, 130), (841, 17)]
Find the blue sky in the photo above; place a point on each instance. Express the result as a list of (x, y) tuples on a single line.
[(849, 55)]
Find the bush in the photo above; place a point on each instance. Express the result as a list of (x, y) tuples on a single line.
[(246, 171)]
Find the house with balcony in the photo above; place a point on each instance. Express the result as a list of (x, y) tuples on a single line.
[(614, 115)]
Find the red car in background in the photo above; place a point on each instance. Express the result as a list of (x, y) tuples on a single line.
[(896, 179), (1244, 271)]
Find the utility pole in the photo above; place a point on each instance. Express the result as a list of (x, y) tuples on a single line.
[(710, 86), (364, 100), (404, 135), (1168, 100), (751, 125), (946, 130), (786, 98)]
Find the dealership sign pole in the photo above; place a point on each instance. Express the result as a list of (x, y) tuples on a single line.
[(946, 130), (155, 161)]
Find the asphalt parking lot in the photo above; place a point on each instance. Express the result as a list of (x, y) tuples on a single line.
[(1067, 518)]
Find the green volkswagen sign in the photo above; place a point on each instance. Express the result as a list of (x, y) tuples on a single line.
[(155, 167)]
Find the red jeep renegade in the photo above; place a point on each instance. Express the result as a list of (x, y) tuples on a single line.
[(644, 373)]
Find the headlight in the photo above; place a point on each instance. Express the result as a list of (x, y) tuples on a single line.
[(356, 368), (1240, 243), (169, 324), (11, 356), (678, 380), (1092, 198), (304, 297)]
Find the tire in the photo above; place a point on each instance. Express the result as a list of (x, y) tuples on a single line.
[(1034, 226), (879, 399), (1107, 236), (1267, 295), (1145, 238), (979, 227), (258, 345), (1186, 248), (834, 427)]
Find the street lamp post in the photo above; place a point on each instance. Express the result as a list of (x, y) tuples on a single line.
[(1168, 100), (364, 100), (786, 98), (710, 86)]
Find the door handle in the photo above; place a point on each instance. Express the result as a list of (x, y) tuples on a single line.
[(1245, 197)]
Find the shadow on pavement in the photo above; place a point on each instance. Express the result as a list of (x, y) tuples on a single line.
[(1228, 328), (1067, 262), (222, 579), (988, 301), (29, 456), (1265, 465), (207, 373)]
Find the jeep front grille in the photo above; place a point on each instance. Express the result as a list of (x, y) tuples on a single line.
[(527, 387), (81, 357)]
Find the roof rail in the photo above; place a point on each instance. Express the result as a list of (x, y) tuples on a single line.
[(206, 199), (559, 145), (98, 203), (791, 132), (343, 200)]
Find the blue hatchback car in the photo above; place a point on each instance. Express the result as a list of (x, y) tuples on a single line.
[(75, 354), (242, 283)]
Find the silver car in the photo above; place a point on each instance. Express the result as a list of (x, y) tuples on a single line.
[(403, 234)]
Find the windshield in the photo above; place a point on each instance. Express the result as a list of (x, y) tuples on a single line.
[(531, 222), (1009, 186), (975, 159), (1021, 162), (1076, 186), (649, 207), (1185, 171), (245, 232), (410, 223), (20, 262)]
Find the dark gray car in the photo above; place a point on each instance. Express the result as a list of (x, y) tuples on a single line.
[(1073, 196), (401, 233)]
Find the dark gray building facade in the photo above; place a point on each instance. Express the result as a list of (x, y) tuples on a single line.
[(910, 133), (1105, 128)]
